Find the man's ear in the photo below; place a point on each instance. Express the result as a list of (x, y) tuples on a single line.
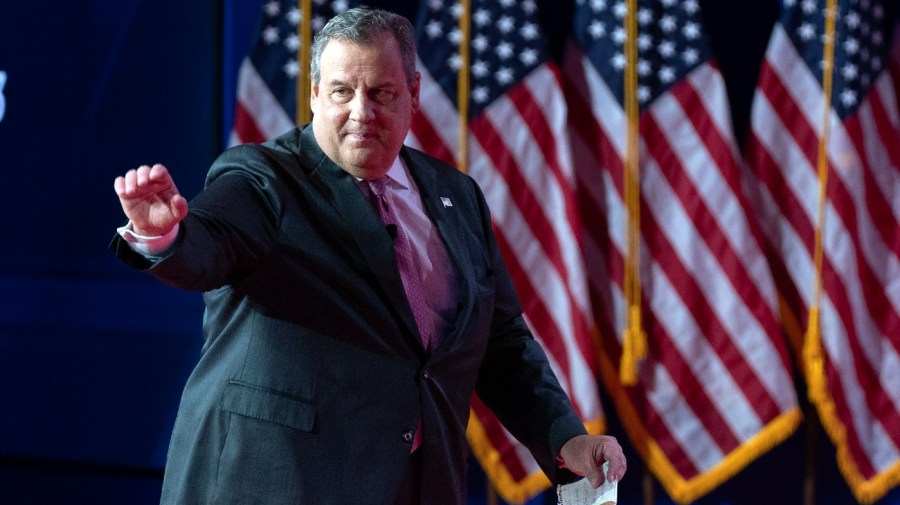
[(414, 91), (313, 97)]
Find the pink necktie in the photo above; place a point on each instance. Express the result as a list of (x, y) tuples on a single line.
[(412, 284), (415, 293)]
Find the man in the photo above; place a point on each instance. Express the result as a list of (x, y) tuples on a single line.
[(336, 369)]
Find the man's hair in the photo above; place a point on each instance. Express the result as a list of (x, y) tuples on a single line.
[(364, 25)]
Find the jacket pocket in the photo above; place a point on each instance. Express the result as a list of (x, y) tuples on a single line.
[(268, 405)]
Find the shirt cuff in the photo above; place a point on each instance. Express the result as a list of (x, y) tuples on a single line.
[(154, 245)]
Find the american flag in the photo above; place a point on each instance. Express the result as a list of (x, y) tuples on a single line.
[(859, 328), (266, 104), (519, 155), (715, 389)]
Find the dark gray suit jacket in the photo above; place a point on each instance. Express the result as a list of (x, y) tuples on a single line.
[(313, 377)]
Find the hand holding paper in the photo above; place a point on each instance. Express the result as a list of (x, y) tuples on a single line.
[(583, 455), (582, 493)]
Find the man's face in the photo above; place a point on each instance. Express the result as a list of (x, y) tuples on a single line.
[(363, 105)]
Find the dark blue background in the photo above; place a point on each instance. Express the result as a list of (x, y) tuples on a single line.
[(93, 355)]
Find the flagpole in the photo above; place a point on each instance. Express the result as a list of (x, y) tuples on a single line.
[(811, 458), (812, 346), (304, 32), (462, 85), (634, 341)]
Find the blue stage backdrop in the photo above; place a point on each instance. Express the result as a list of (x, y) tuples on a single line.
[(93, 355)]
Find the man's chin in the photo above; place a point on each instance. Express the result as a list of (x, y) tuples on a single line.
[(366, 157)]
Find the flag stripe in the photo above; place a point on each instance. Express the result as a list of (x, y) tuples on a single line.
[(873, 118), (257, 101), (245, 124), (426, 135), (435, 127)]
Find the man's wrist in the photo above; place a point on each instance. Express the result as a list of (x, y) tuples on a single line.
[(148, 244)]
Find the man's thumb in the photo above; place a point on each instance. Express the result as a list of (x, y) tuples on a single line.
[(179, 207)]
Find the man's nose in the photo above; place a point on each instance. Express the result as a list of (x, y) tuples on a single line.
[(362, 108)]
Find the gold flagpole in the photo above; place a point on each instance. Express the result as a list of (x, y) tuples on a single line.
[(814, 360), (634, 341), (304, 32), (462, 85), (812, 345)]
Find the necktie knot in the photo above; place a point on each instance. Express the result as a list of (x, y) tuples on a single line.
[(378, 186)]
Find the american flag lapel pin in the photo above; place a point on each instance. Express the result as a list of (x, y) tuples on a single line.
[(446, 201)]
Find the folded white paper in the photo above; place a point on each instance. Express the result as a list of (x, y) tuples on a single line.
[(582, 493)]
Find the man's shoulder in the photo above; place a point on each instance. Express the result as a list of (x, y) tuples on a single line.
[(286, 143), (285, 146), (271, 159)]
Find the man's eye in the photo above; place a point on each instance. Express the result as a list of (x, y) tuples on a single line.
[(382, 95), (341, 94)]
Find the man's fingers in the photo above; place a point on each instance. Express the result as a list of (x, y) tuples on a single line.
[(119, 185), (157, 172), (617, 465), (150, 199), (143, 181)]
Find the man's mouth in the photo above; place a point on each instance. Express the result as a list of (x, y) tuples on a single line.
[(361, 135)]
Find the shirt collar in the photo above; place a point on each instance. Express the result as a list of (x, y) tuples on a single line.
[(398, 173)]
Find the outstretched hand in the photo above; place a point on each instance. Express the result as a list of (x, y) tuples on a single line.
[(584, 455), (150, 199)]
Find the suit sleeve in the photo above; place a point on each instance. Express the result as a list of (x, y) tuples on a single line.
[(515, 379), (230, 225)]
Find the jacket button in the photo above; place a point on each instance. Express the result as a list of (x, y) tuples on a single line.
[(407, 436), (426, 374)]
